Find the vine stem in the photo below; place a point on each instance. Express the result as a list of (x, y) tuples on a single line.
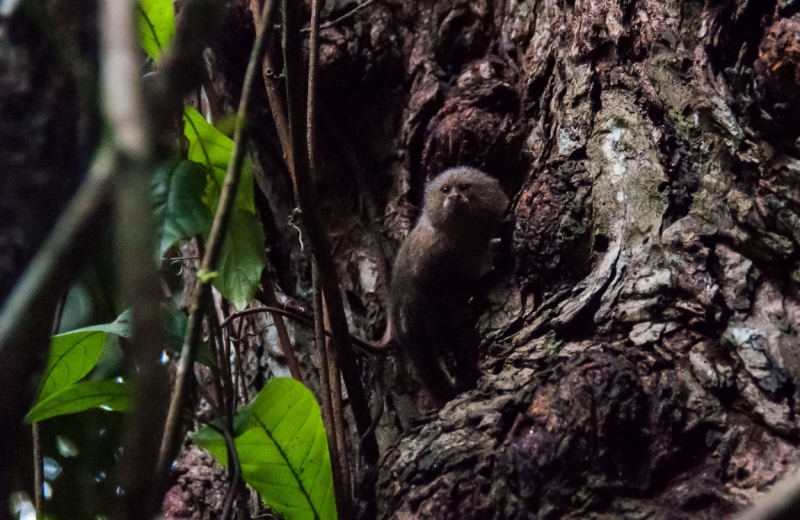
[(269, 298), (342, 492), (38, 459), (202, 289), (342, 18), (308, 321), (320, 247)]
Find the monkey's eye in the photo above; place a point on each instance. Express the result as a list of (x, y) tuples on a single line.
[(464, 186), (445, 190)]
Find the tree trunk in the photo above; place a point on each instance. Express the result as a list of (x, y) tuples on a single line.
[(640, 350)]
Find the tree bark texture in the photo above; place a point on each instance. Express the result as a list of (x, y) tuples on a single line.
[(640, 347)]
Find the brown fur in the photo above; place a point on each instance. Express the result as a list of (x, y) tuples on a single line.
[(437, 267)]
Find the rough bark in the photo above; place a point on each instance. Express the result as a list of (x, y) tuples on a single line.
[(640, 330), (653, 372)]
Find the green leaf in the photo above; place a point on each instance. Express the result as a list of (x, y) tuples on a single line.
[(210, 147), (241, 260), (108, 395), (74, 354), (283, 451), (177, 191), (156, 26)]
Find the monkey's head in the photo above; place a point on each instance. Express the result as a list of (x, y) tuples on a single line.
[(464, 198)]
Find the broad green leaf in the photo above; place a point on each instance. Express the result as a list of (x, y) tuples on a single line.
[(241, 260), (210, 147), (74, 354), (283, 451), (156, 26), (177, 190), (108, 395)]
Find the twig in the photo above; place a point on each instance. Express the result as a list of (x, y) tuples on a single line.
[(236, 474), (214, 246), (304, 196), (225, 344), (345, 16), (342, 493), (38, 460), (277, 103), (337, 407), (240, 375), (336, 417), (38, 471), (305, 320), (237, 366), (223, 364), (269, 298), (235, 470), (234, 467), (57, 260)]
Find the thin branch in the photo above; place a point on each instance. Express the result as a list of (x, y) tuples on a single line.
[(277, 103), (304, 195), (58, 259), (223, 364), (38, 460), (341, 491), (344, 17), (334, 394), (38, 470), (236, 474), (201, 292), (240, 375), (269, 298), (225, 351), (305, 320), (337, 412), (311, 99), (234, 471), (235, 467)]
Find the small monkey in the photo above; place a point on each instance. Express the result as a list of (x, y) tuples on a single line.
[(437, 267)]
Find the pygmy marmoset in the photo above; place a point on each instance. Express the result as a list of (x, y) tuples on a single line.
[(437, 267)]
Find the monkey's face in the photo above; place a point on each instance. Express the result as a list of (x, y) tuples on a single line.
[(464, 198), (456, 197)]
